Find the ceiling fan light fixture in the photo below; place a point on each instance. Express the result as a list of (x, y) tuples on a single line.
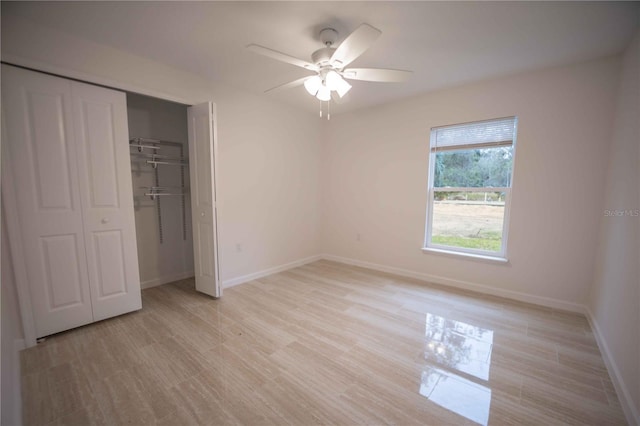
[(332, 79), (313, 85), (335, 82), (324, 94), (343, 87)]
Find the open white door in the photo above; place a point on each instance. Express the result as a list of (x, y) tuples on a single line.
[(203, 200)]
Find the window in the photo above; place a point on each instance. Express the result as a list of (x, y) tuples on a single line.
[(470, 169)]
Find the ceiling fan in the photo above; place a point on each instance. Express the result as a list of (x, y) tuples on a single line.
[(329, 64)]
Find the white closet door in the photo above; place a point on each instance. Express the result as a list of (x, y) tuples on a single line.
[(39, 163), (106, 193), (201, 169)]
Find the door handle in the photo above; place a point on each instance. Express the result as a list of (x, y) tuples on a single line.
[(104, 220)]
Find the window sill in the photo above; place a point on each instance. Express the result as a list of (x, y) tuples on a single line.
[(470, 256)]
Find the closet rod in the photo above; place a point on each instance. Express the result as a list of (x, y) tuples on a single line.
[(155, 191), (155, 163), (172, 190), (156, 141), (163, 188), (153, 195), (159, 156), (141, 147)]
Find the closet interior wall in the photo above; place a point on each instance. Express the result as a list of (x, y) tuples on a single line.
[(169, 258)]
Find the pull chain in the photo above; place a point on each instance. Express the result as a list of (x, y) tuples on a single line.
[(328, 110)]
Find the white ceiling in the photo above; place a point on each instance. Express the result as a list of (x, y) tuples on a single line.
[(443, 43)]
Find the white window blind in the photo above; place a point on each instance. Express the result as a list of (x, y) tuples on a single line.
[(479, 134)]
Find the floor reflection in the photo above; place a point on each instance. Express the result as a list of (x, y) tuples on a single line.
[(458, 358)]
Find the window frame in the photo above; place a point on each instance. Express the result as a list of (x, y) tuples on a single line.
[(428, 245)]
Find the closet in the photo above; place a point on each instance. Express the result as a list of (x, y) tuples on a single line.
[(173, 170), (160, 176), (89, 189)]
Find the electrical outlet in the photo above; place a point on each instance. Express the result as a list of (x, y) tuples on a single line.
[(239, 247), (358, 237)]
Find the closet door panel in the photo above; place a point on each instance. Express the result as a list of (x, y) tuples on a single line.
[(203, 208), (48, 149), (98, 127), (107, 199), (41, 150), (205, 252), (61, 271), (109, 250)]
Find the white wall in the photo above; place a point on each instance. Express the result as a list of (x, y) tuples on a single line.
[(268, 188), (270, 191), (171, 259), (12, 338), (615, 296), (375, 174)]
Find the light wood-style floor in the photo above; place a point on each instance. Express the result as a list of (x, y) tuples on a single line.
[(322, 344)]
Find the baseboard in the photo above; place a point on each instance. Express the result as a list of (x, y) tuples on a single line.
[(165, 279), (465, 285), (256, 275), (631, 412)]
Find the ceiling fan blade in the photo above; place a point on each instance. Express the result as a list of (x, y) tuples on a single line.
[(283, 57), (376, 74), (355, 45), (294, 83)]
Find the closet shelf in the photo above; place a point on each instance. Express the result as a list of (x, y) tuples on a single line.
[(142, 147), (155, 163), (153, 195), (152, 142), (155, 191), (165, 188), (160, 156), (155, 159)]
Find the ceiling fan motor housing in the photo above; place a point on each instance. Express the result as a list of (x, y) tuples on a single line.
[(321, 57)]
